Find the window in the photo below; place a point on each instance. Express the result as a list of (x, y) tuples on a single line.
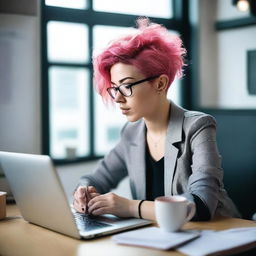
[(67, 42), (77, 4), (77, 126), (68, 111), (153, 8)]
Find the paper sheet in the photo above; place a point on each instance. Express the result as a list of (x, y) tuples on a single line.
[(155, 238), (216, 241)]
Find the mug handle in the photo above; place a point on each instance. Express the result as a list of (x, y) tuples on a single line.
[(191, 206)]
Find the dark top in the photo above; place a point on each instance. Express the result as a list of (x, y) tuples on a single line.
[(154, 177), (155, 186)]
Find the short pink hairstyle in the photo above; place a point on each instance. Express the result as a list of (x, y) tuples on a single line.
[(152, 49)]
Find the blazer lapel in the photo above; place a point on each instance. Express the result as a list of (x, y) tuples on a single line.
[(138, 165), (174, 134)]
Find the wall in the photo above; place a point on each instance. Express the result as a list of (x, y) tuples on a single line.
[(223, 81), (207, 54), (19, 84), (223, 87)]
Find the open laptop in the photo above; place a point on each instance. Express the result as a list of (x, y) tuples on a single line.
[(41, 199)]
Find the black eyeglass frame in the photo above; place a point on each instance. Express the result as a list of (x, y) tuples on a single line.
[(129, 86)]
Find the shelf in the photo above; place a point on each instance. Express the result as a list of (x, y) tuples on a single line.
[(235, 23)]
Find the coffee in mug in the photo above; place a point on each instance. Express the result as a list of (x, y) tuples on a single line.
[(172, 212)]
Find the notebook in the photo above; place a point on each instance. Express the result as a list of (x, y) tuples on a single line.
[(41, 199)]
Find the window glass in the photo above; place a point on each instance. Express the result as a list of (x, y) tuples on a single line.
[(69, 112), (174, 92), (108, 120), (76, 4), (67, 42), (151, 8), (108, 124), (102, 35)]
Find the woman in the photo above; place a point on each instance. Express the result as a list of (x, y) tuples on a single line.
[(164, 149)]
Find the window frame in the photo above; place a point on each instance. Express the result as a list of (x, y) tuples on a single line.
[(179, 23)]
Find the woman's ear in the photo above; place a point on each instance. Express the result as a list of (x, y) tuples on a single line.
[(162, 83)]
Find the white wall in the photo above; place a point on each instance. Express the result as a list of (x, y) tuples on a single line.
[(19, 83), (223, 81), (227, 11), (208, 58), (232, 67)]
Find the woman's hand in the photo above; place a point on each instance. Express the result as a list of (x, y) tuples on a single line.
[(82, 197), (110, 203)]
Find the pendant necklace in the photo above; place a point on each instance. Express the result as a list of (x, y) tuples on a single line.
[(155, 142)]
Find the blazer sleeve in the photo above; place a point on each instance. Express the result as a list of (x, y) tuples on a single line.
[(207, 174), (109, 172)]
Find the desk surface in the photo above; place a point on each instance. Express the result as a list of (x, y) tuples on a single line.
[(18, 237)]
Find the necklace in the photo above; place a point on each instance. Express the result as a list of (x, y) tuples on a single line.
[(155, 142)]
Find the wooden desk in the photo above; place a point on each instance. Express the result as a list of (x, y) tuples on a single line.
[(18, 238)]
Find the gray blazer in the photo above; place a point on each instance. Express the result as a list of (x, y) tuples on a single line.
[(192, 164)]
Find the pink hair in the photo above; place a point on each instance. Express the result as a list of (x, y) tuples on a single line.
[(151, 49)]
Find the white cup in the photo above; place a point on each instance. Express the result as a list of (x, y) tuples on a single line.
[(172, 212)]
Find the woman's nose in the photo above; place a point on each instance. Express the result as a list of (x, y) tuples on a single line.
[(119, 97)]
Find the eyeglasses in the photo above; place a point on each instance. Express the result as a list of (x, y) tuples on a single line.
[(126, 89)]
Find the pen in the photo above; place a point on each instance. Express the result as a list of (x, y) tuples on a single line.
[(84, 209), (88, 198)]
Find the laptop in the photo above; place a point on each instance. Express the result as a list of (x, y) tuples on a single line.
[(41, 199)]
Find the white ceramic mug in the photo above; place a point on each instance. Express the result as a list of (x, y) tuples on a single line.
[(172, 212)]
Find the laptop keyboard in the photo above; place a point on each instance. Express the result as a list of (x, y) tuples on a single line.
[(87, 223)]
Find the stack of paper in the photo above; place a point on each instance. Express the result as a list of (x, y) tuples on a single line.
[(219, 242), (192, 243), (155, 238)]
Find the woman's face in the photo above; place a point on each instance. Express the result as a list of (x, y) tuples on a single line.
[(143, 101)]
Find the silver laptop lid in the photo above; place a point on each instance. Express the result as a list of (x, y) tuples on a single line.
[(38, 192)]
